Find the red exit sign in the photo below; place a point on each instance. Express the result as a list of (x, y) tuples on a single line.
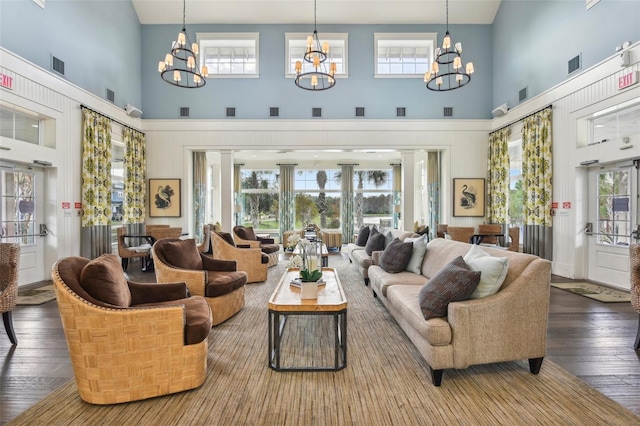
[(627, 80), (6, 81)]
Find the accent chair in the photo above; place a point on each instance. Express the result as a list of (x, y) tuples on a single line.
[(246, 235), (9, 266), (251, 260)]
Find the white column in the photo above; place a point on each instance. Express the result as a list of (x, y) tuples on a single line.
[(408, 190), (226, 190)]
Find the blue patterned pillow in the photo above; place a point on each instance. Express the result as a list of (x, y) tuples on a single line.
[(454, 282), (396, 256)]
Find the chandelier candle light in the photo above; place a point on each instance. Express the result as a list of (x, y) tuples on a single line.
[(315, 54), (184, 73), (448, 72)]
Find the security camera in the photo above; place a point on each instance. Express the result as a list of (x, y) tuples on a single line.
[(501, 110), (132, 111)]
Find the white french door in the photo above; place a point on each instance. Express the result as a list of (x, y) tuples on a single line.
[(21, 215), (613, 194)]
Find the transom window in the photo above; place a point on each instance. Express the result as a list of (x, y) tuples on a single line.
[(230, 55), (403, 55), (22, 127), (296, 45)]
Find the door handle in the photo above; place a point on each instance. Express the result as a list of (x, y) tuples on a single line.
[(588, 229)]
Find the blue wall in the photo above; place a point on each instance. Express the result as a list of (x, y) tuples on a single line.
[(534, 40), (99, 42), (253, 97)]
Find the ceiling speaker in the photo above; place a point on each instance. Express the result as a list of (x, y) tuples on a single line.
[(132, 111)]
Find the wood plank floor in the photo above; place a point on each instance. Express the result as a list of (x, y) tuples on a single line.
[(592, 340)]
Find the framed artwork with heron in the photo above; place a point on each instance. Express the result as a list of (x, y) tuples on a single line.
[(468, 197), (164, 198)]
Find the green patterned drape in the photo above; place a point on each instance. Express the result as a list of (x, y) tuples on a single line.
[(433, 191), (347, 202), (237, 193), (498, 177), (397, 193), (537, 183), (135, 176), (96, 185), (287, 211), (199, 192)]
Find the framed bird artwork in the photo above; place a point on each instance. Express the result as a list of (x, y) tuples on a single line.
[(164, 198), (468, 197)]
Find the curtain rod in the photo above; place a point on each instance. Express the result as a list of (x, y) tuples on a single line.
[(82, 106), (522, 119)]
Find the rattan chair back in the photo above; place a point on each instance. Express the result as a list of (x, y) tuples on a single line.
[(9, 266)]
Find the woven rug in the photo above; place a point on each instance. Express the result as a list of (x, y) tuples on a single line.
[(37, 296), (594, 291), (386, 382)]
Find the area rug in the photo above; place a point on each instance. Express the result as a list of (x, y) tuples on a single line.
[(594, 291), (385, 382), (37, 296)]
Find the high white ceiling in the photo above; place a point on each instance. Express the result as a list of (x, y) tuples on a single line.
[(328, 11)]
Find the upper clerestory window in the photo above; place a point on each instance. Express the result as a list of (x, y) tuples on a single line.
[(403, 55), (230, 55)]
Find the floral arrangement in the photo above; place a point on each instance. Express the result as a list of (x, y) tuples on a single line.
[(305, 260)]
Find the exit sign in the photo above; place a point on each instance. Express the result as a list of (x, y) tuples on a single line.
[(6, 81), (627, 80)]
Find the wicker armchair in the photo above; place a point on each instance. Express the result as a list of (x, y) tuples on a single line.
[(9, 261), (154, 343), (168, 232), (245, 235), (514, 236), (218, 281), (250, 260), (461, 233), (441, 229), (634, 261), (149, 228), (127, 252), (490, 229)]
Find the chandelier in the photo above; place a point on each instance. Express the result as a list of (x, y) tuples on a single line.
[(184, 72), (320, 78), (448, 72)]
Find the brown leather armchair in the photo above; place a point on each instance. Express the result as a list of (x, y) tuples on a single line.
[(250, 260), (9, 261), (246, 235), (129, 341), (218, 281)]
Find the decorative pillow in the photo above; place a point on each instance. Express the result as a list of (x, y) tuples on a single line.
[(246, 233), (363, 235), (388, 238), (395, 256), (454, 282), (227, 237), (375, 242), (419, 250), (494, 271), (183, 254), (104, 280)]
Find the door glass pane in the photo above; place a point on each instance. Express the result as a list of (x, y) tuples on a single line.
[(17, 214), (614, 218)]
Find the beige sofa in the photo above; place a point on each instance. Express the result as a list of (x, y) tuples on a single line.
[(363, 261), (506, 326)]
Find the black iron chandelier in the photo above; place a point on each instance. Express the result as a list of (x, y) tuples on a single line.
[(448, 72), (184, 72), (320, 78)]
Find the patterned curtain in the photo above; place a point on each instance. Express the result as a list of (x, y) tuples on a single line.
[(433, 191), (237, 193), (96, 185), (347, 202), (397, 193), (537, 183), (135, 176), (199, 192), (287, 212), (498, 177)]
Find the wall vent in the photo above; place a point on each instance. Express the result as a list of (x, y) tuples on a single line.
[(575, 64), (447, 112), (57, 65), (184, 111), (111, 95), (522, 94), (359, 111), (274, 112), (316, 112), (401, 112), (230, 112)]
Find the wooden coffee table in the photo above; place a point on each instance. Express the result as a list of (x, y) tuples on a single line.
[(286, 301)]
